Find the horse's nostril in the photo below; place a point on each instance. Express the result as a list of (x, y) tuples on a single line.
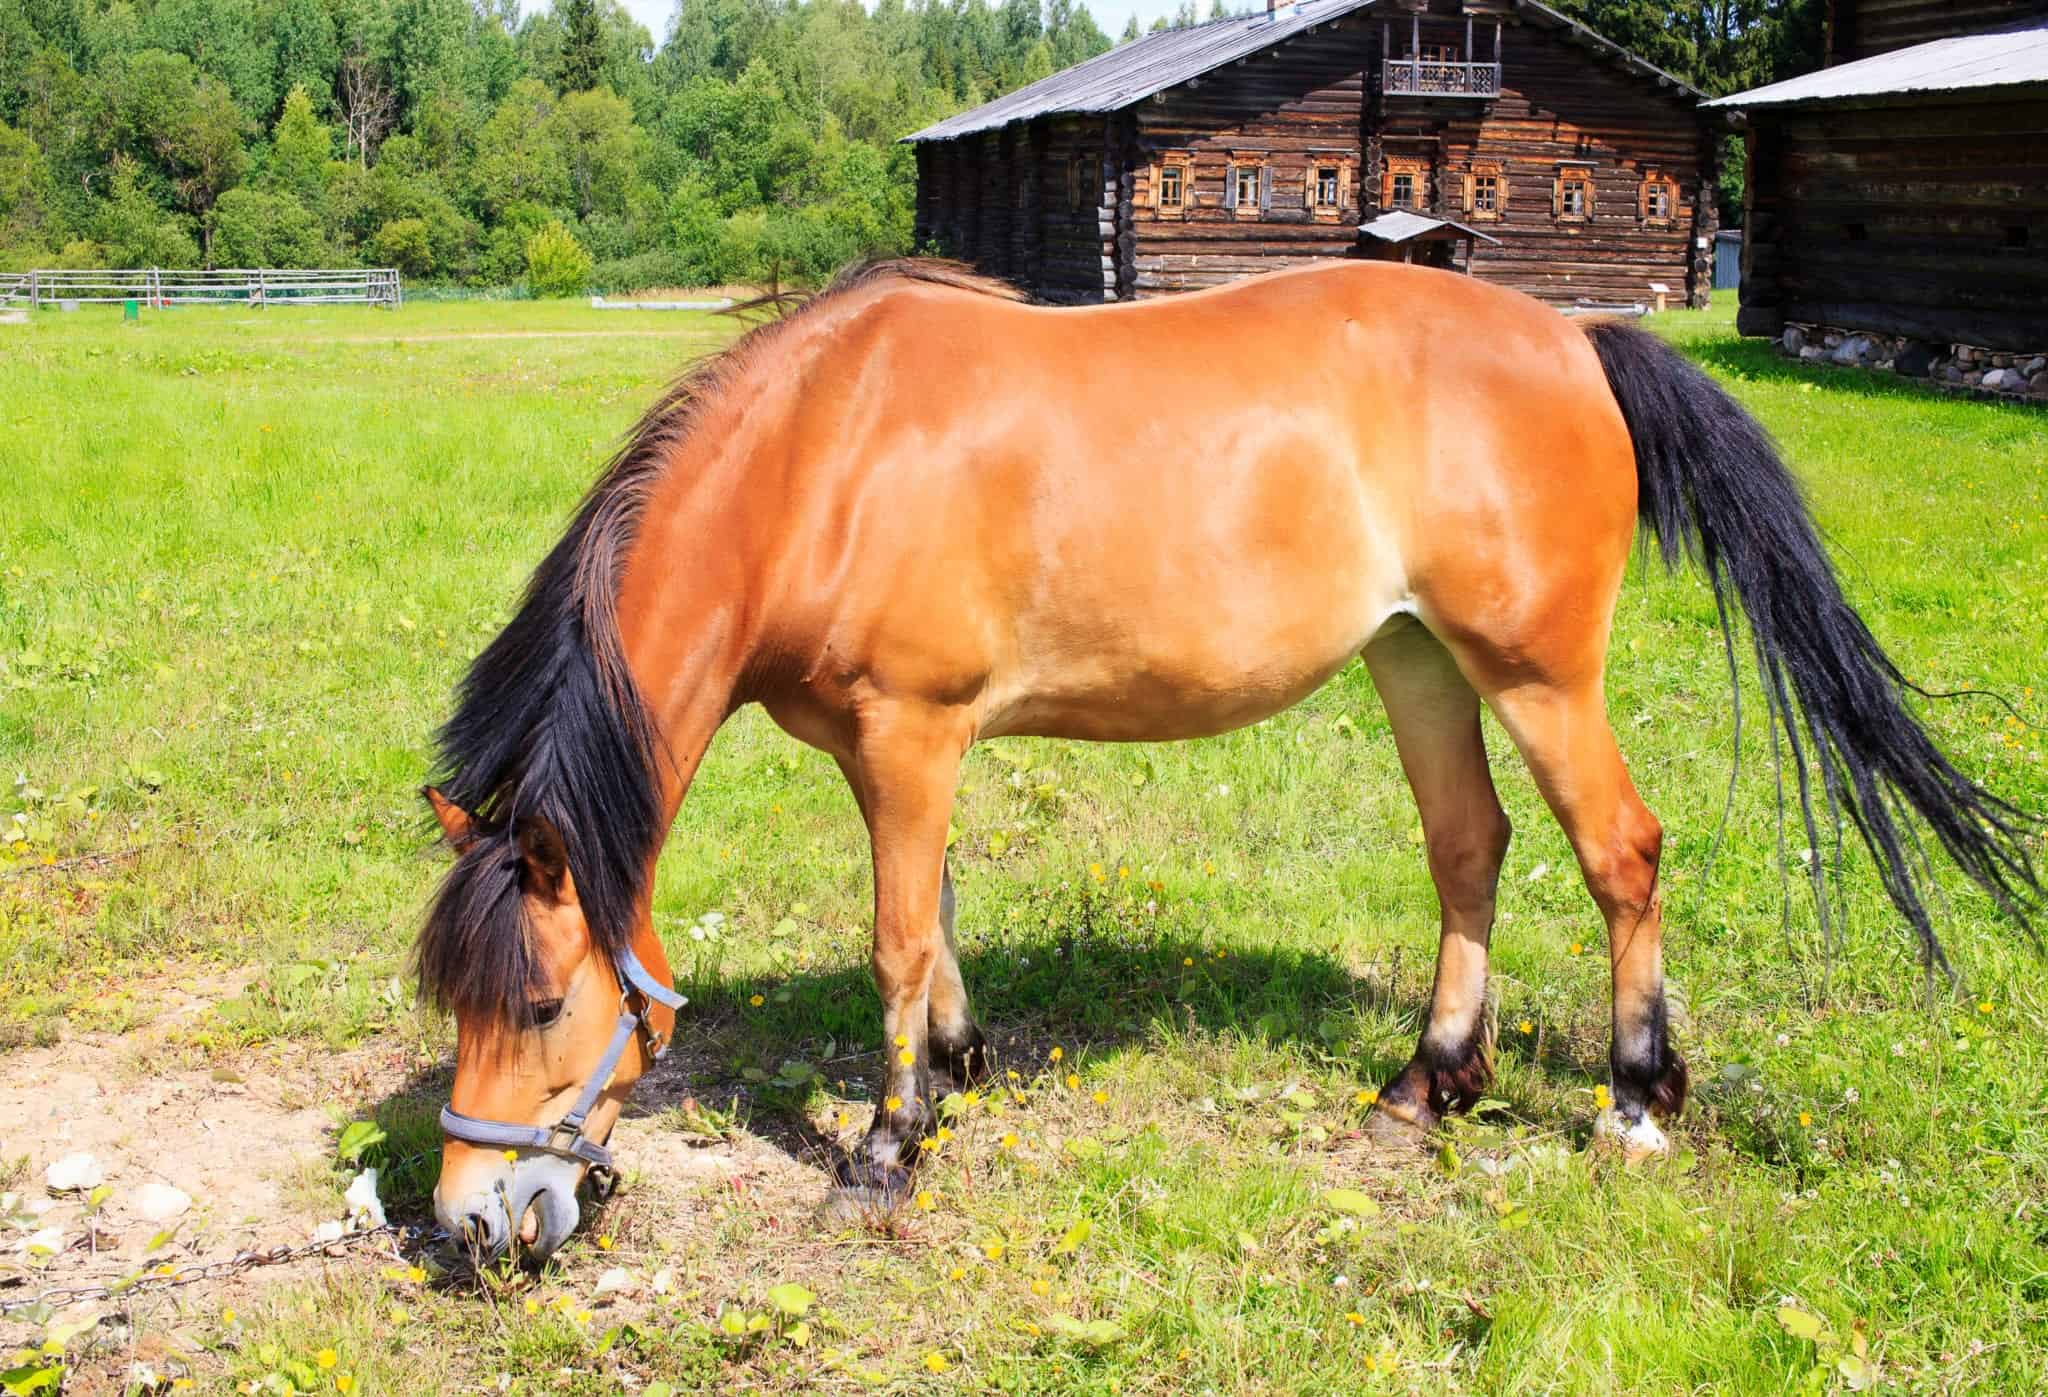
[(476, 1229)]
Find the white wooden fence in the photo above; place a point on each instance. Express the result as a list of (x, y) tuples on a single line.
[(254, 286)]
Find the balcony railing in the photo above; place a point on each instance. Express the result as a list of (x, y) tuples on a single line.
[(1428, 77)]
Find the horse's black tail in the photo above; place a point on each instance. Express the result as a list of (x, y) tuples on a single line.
[(1711, 486)]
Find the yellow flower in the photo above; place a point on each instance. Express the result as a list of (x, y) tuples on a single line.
[(416, 1274), (344, 1383), (511, 1156), (227, 1316), (327, 1358), (1578, 947), (604, 1241), (924, 1199), (958, 1273), (532, 1305), (1526, 1026), (945, 1134), (1057, 1053), (894, 1103), (1123, 870), (1366, 1097), (1357, 1320), (1073, 1082), (1601, 1099), (973, 1098), (840, 1120), (1805, 1119), (398, 1314), (1984, 1006), (902, 1040), (928, 1143), (993, 1251), (1208, 866), (583, 1316), (1187, 961), (1040, 1288), (1095, 872), (756, 1000), (1012, 1075), (1101, 1098), (935, 1362), (1220, 954), (907, 1058), (1009, 1140)]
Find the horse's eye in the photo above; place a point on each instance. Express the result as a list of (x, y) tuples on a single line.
[(546, 1011)]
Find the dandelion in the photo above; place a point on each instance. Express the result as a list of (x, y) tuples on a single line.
[(1355, 1320), (925, 1200), (327, 1358), (1187, 961), (1209, 866), (902, 1040), (1009, 1140), (1578, 948), (532, 1305), (416, 1274), (344, 1382), (893, 1104), (1012, 1075), (1096, 872), (1526, 1026), (511, 1156), (840, 1120), (973, 1098), (945, 1134), (584, 1316), (993, 1251), (756, 1000), (958, 1273), (1057, 1053), (604, 1241), (1983, 1006), (1601, 1099), (1040, 1289), (227, 1316), (1366, 1097), (928, 1143), (1101, 1098), (1805, 1120), (1123, 870), (907, 1058), (935, 1362)]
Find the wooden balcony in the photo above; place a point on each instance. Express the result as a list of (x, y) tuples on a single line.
[(1428, 77)]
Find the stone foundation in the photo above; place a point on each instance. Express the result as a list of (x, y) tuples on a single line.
[(1958, 367)]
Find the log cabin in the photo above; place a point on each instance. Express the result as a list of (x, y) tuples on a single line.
[(1515, 143), (1901, 192)]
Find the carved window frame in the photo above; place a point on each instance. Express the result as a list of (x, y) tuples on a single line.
[(1311, 186), (1260, 169), (1396, 166), (1495, 171), (1183, 165), (1582, 176), (1654, 179)]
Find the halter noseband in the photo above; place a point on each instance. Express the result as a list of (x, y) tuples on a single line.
[(565, 1137)]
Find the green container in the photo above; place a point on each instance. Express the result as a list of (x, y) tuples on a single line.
[(131, 310)]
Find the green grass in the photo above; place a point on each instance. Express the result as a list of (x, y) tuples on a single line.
[(244, 557)]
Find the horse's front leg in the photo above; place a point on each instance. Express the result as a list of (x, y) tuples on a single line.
[(956, 1045), (904, 770)]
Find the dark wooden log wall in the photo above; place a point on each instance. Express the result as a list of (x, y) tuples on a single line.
[(1919, 219), (1291, 106), (1561, 104), (1862, 28)]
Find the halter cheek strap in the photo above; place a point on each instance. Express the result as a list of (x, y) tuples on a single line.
[(566, 1137)]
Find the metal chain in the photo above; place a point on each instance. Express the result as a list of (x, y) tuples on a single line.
[(62, 1296)]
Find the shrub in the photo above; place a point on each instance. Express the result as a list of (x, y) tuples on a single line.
[(252, 228), (405, 243), (556, 264)]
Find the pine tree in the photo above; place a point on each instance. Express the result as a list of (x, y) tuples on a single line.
[(582, 46)]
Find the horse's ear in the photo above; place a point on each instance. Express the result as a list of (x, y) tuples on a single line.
[(545, 857), (457, 824)]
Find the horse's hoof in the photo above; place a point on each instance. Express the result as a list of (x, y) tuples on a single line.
[(1384, 1127), (860, 1207), (1635, 1140)]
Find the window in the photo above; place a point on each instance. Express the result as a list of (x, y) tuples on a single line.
[(1660, 198), (1575, 194), (1244, 188), (1486, 190), (1325, 196), (1404, 184), (1173, 188), (1441, 53)]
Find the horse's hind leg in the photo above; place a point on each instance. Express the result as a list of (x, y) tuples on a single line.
[(1563, 734), (1435, 716)]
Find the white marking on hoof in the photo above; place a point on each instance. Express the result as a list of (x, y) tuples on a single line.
[(1637, 1140)]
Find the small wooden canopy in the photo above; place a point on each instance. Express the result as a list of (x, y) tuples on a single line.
[(1405, 236)]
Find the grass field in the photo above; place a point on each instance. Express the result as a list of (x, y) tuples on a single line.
[(244, 557)]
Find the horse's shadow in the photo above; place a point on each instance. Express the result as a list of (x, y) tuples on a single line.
[(736, 1061)]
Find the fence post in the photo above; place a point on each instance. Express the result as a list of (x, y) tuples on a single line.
[(35, 293)]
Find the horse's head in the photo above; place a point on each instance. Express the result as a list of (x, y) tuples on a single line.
[(550, 1033)]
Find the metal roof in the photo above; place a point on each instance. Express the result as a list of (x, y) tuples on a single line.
[(1402, 225), (1131, 72), (2003, 57)]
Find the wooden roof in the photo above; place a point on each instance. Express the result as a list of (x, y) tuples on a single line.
[(1154, 62), (2012, 55)]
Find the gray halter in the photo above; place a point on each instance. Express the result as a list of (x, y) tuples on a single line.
[(565, 1137)]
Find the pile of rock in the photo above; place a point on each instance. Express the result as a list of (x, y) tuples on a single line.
[(1959, 366)]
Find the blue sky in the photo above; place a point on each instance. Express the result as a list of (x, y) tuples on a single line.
[(1110, 14)]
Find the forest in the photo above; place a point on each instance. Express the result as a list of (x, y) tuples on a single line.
[(470, 143)]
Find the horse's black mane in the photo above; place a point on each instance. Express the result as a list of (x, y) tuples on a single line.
[(549, 724)]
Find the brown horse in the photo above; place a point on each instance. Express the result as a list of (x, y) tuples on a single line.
[(900, 520)]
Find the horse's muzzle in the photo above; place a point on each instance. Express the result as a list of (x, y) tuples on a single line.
[(491, 1221)]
